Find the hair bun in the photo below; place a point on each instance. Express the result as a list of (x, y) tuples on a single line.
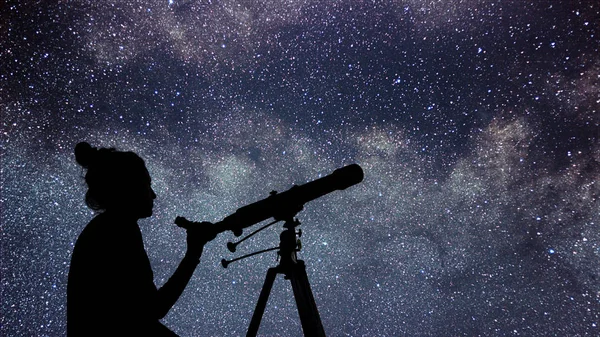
[(85, 154)]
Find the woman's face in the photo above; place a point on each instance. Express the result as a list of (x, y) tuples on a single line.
[(137, 198), (145, 197)]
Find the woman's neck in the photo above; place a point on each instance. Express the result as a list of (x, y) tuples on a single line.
[(122, 213)]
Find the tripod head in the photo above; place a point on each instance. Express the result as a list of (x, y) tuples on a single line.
[(288, 244)]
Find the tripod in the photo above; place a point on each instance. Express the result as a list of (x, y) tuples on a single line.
[(295, 271)]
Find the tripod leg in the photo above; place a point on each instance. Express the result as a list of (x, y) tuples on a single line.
[(262, 302), (307, 308)]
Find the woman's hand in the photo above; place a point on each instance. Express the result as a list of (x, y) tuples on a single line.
[(198, 235)]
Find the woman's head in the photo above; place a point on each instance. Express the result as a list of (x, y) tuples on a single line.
[(116, 180)]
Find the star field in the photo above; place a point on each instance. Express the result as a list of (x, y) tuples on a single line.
[(476, 123)]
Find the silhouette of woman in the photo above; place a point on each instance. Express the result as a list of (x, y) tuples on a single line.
[(111, 290)]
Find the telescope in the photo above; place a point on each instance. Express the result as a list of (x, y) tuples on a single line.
[(285, 205)]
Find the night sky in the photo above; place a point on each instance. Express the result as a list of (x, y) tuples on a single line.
[(476, 123)]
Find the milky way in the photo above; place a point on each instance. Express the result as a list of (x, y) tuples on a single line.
[(476, 123)]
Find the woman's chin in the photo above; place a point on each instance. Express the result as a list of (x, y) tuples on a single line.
[(146, 214)]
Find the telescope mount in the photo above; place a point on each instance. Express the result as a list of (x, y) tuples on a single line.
[(293, 270)]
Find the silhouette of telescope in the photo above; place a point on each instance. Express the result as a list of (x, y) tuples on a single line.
[(285, 205)]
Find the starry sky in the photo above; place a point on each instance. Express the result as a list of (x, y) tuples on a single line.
[(476, 123)]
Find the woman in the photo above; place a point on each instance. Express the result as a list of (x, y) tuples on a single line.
[(111, 290)]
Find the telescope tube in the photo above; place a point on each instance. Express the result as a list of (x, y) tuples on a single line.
[(286, 204)]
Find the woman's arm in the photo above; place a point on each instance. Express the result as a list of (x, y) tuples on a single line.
[(170, 291), (168, 294)]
